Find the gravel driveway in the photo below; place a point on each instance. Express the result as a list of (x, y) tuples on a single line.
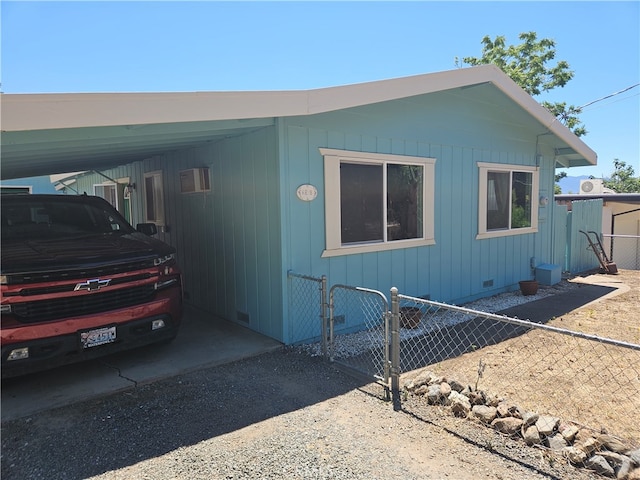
[(279, 415)]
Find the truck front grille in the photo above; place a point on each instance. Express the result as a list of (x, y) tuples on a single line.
[(94, 272), (59, 308)]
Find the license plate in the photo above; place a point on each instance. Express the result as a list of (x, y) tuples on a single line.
[(99, 336)]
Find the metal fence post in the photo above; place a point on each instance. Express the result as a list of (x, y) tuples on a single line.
[(323, 314), (395, 349)]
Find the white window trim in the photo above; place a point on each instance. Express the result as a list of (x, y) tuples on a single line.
[(332, 159), (158, 196), (484, 169)]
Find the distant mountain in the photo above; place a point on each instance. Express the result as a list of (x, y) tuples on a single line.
[(571, 184)]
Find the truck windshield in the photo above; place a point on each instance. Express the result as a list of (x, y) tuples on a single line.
[(31, 218)]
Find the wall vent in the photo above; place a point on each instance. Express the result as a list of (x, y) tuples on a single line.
[(195, 180), (487, 283)]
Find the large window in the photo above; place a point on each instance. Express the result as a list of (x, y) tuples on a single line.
[(377, 202), (508, 200), (153, 196)]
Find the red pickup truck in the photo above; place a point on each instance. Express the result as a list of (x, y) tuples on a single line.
[(78, 282)]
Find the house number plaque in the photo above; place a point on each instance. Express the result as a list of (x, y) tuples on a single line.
[(307, 193)]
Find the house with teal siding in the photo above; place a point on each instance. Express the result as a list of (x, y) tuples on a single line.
[(439, 184)]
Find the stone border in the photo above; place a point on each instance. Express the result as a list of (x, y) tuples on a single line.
[(602, 453)]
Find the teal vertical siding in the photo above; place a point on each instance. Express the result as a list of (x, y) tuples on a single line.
[(456, 268), (585, 215), (228, 239), (560, 237)]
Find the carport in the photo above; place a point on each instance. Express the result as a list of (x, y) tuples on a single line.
[(55, 134)]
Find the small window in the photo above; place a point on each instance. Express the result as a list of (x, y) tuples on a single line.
[(153, 196), (508, 201), (377, 202)]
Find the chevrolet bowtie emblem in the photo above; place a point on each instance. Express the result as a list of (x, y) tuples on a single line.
[(92, 285)]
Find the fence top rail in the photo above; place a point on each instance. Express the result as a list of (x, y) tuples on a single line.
[(359, 289), (608, 235), (304, 277), (523, 323)]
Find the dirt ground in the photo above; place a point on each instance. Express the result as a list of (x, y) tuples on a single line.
[(583, 381)]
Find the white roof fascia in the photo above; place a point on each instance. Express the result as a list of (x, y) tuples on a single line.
[(61, 176), (54, 111)]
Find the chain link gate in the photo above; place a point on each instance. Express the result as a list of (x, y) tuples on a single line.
[(308, 310), (359, 331)]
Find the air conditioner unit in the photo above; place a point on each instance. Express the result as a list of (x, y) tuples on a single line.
[(594, 186), (195, 180)]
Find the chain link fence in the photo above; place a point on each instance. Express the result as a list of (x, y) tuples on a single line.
[(578, 377), (307, 310), (624, 250), (359, 330)]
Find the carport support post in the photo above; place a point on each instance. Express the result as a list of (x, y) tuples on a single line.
[(395, 349)]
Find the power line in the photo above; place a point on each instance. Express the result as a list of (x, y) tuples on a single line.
[(609, 96)]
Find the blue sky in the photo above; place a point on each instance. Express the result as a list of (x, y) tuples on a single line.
[(220, 46)]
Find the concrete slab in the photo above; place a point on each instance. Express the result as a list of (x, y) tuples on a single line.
[(204, 341)]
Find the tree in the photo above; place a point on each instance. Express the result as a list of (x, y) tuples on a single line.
[(557, 190), (622, 179), (527, 64)]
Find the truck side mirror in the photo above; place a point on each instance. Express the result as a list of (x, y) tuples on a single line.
[(149, 229)]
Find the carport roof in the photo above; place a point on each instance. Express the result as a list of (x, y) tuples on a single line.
[(53, 133)]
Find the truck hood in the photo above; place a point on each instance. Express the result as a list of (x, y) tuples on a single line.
[(82, 251)]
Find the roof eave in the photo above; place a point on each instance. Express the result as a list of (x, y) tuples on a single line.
[(53, 111)]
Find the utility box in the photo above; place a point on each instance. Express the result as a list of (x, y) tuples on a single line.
[(548, 274)]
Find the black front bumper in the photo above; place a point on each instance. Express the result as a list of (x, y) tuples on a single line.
[(65, 349)]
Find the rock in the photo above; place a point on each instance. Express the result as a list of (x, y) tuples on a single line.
[(433, 394), (531, 435), (493, 401), (506, 409), (598, 464), (476, 398), (625, 469), (615, 459), (569, 433), (547, 425), (460, 405), (421, 390), (484, 413), (445, 389), (612, 443), (529, 418), (575, 455), (556, 442), (455, 385), (634, 455), (435, 380), (420, 379), (589, 445), (508, 425)]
